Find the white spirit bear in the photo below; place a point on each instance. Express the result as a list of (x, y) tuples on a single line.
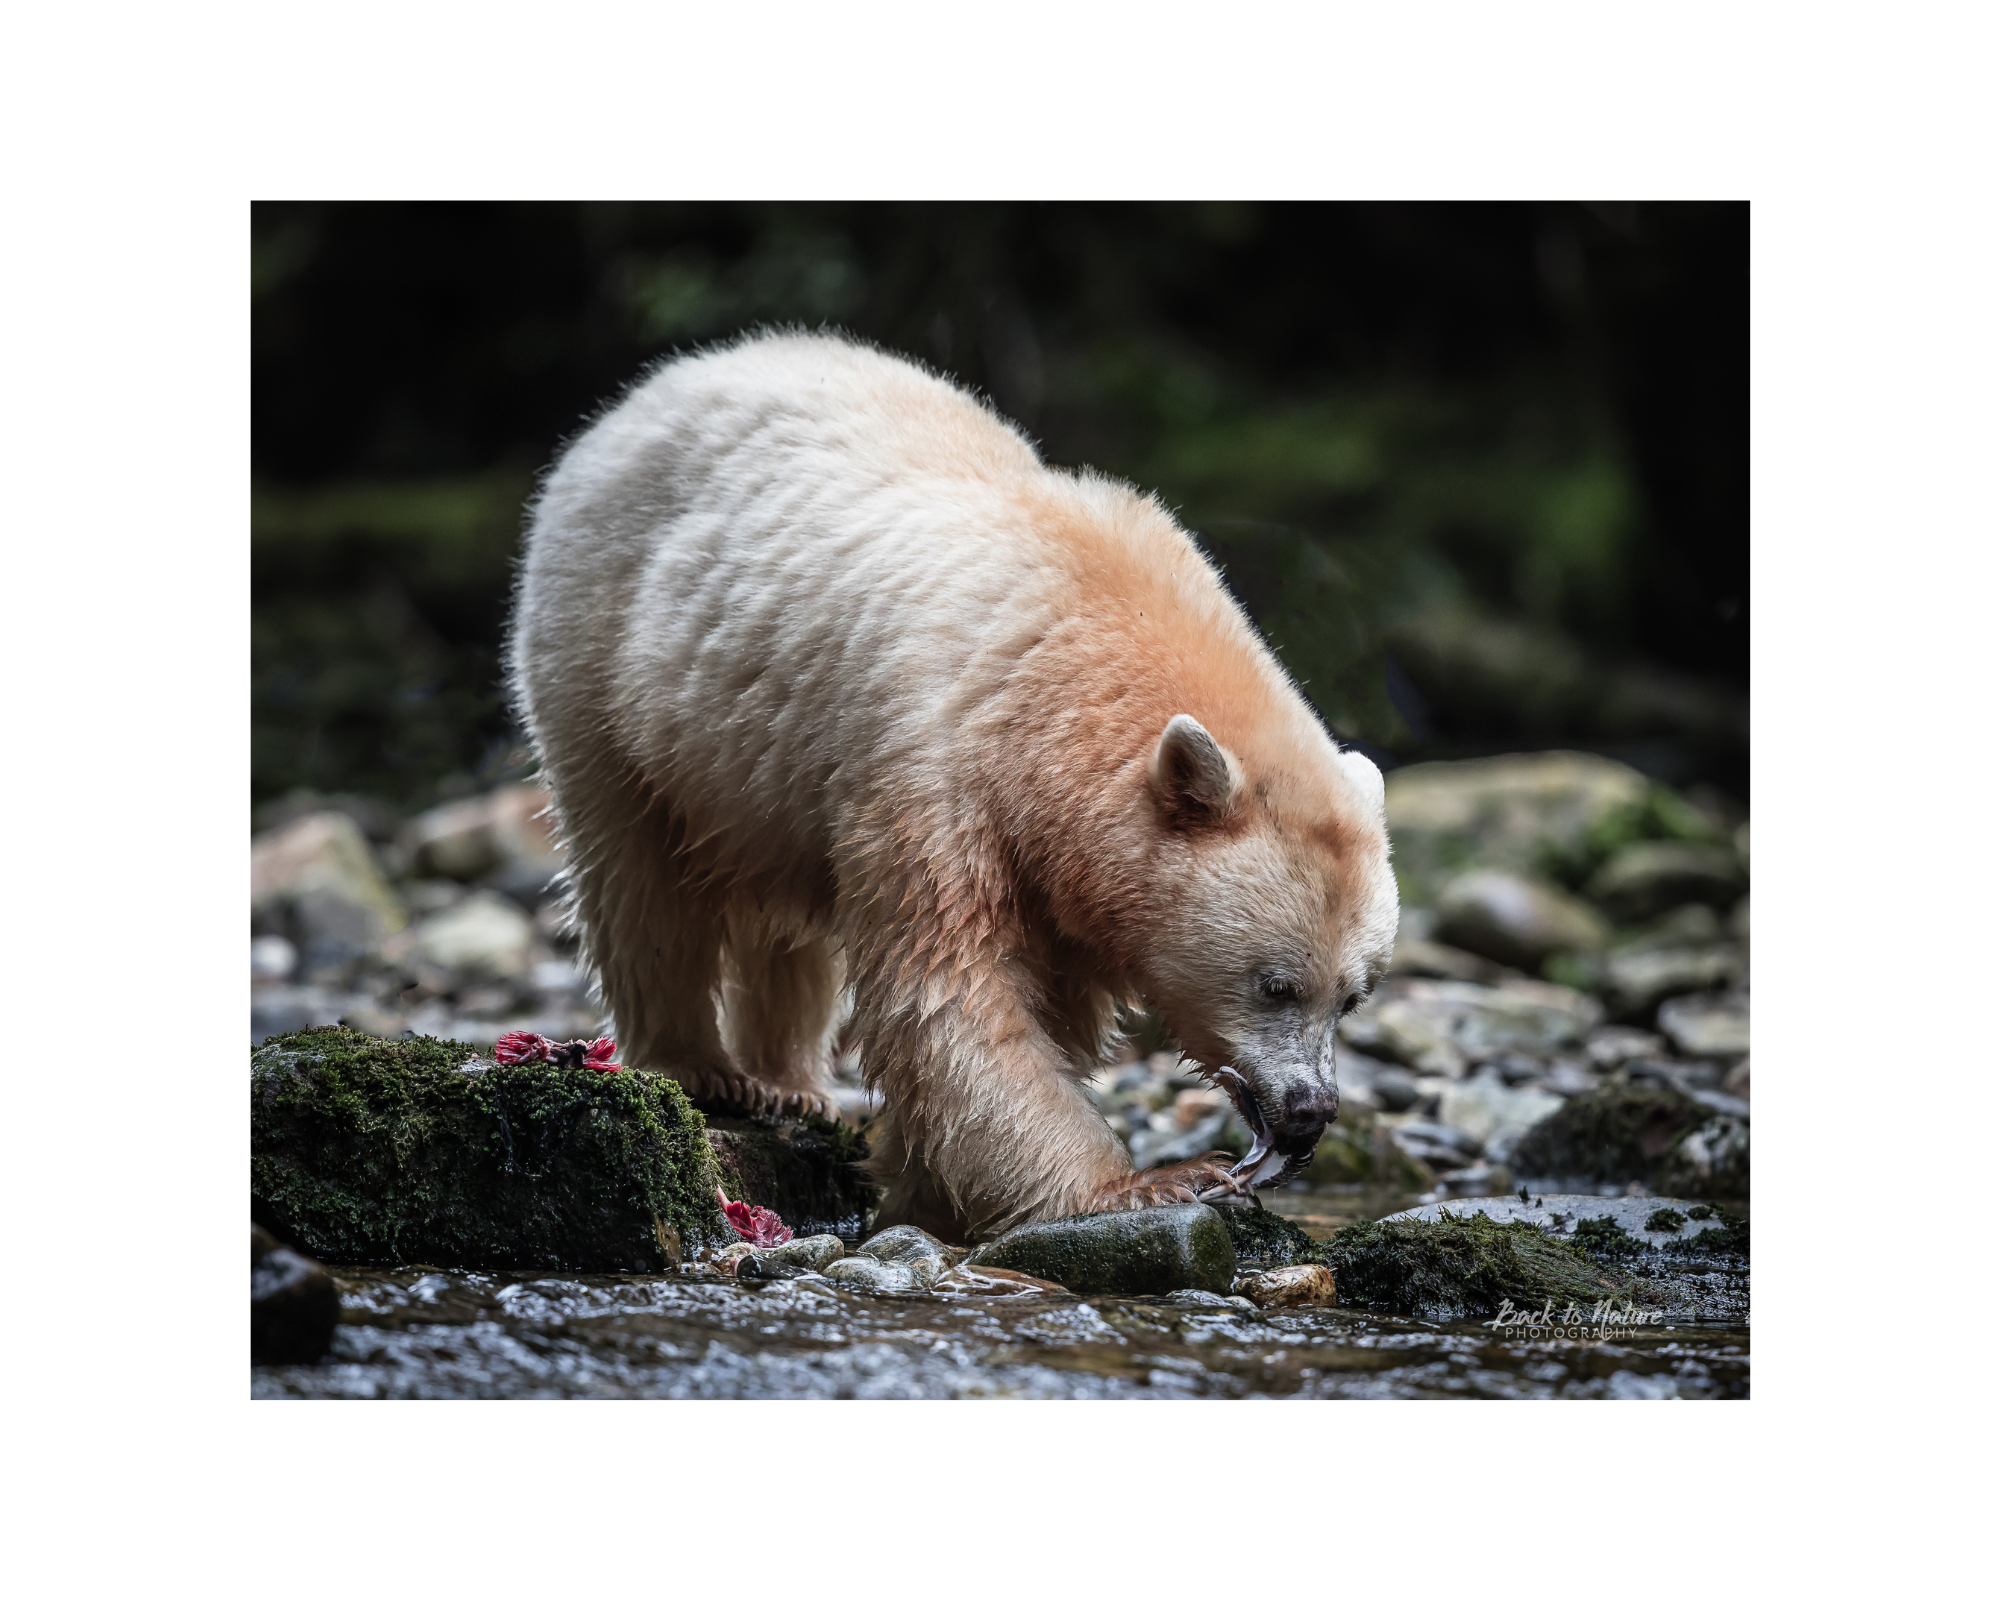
[(847, 699)]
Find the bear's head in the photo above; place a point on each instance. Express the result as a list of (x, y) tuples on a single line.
[(1271, 913)]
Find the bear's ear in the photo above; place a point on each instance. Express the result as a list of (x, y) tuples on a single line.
[(1365, 776), (1192, 774)]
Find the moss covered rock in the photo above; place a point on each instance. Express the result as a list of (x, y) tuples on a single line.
[(1262, 1238), (372, 1150), (1616, 1134), (1155, 1251), (1461, 1267)]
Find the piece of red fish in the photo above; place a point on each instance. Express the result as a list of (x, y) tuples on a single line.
[(754, 1223), (521, 1045)]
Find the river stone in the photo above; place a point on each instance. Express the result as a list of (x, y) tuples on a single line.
[(1636, 980), (1285, 1287), (1154, 1251), (1712, 1026), (1441, 1028), (907, 1246), (294, 1306), (1656, 875), (375, 1150), (1517, 920), (809, 1255), (878, 1277), (1422, 958), (485, 937), (793, 1259)]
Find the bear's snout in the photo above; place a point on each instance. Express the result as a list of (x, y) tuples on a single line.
[(1308, 1108)]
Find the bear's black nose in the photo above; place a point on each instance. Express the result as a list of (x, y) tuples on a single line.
[(1306, 1113)]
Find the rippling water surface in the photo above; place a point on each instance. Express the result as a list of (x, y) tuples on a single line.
[(431, 1334)]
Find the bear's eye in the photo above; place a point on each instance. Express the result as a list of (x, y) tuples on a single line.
[(1279, 991)]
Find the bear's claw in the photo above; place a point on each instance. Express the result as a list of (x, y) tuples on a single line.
[(1177, 1184)]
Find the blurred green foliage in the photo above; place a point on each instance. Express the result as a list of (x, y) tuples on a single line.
[(1479, 473)]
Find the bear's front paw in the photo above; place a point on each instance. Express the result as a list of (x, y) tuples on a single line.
[(1170, 1186)]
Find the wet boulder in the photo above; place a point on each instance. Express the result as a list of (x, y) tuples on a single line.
[(898, 1260), (1516, 920), (1627, 1133), (373, 1150), (1455, 1267), (294, 1306), (1432, 1263), (1691, 1258), (1154, 1251)]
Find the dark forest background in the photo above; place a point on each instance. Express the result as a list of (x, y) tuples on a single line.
[(1480, 472)]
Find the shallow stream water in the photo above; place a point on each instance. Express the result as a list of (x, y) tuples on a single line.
[(418, 1333)]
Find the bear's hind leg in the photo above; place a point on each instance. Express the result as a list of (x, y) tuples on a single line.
[(651, 934), (781, 1003)]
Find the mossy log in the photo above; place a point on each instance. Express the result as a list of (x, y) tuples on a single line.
[(372, 1150)]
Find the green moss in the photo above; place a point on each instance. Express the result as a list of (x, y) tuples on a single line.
[(1605, 1239), (1615, 1134), (1732, 1238), (1665, 1220), (1464, 1266), (1265, 1239), (371, 1150), (1700, 1213)]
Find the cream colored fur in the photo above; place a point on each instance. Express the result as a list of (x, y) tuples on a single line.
[(841, 692)]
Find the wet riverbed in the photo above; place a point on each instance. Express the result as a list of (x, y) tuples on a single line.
[(421, 1334)]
